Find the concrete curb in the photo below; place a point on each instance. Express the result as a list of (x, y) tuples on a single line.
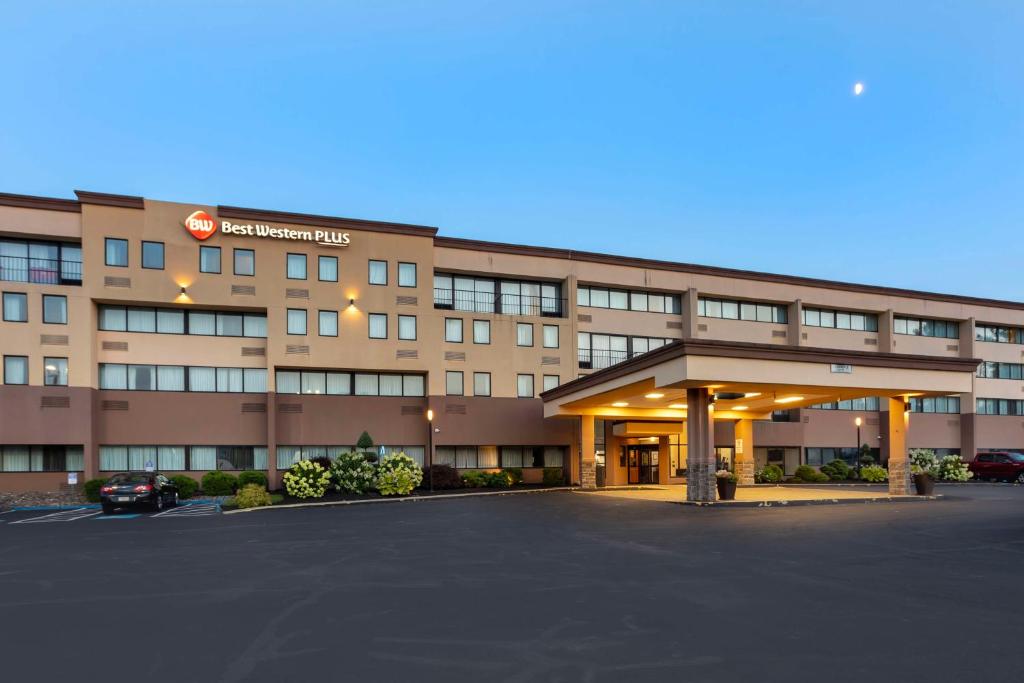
[(801, 503), (399, 499)]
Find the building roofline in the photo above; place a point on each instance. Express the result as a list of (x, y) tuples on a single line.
[(325, 221), (750, 350), (27, 201), (123, 201), (718, 271)]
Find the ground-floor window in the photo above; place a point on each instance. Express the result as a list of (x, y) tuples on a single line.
[(182, 458), (289, 455), (818, 456), (785, 457), (42, 459), (532, 456)]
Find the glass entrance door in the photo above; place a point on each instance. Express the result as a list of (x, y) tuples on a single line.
[(642, 463)]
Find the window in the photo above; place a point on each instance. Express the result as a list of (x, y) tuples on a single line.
[(55, 372), (328, 324), (481, 331), (296, 321), (54, 263), (55, 309), (1000, 334), (327, 268), (481, 384), (209, 259), (116, 252), (524, 386), (453, 330), (378, 272), (295, 267), (550, 382), (153, 255), (994, 370), (1000, 406), (173, 321), (753, 311), (15, 307), (938, 404), (551, 336), (453, 383), (485, 295), (406, 274), (601, 297), (840, 320), (869, 403), (15, 369), (245, 262), (597, 351), (181, 378), (924, 327), (407, 327), (341, 383), (524, 334), (378, 325)]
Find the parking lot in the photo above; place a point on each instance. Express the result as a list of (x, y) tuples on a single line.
[(543, 587), (93, 513)]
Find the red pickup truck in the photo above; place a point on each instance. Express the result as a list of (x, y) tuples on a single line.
[(1005, 465)]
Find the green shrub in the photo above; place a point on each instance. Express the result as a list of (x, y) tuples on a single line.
[(474, 479), (91, 489), (252, 477), (771, 474), (554, 476), (952, 468), (252, 496), (873, 473), (217, 483), (806, 473), (444, 477), (516, 473), (837, 470), (187, 486), (352, 473), (497, 480), (398, 475), (306, 479)]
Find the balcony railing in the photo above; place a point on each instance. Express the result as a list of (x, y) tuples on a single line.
[(599, 359), (40, 270), (505, 304)]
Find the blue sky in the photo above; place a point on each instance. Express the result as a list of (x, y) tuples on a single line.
[(723, 133)]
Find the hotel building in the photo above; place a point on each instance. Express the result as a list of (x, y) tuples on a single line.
[(191, 338)]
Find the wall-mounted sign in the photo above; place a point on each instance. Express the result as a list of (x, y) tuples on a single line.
[(201, 225), (841, 368)]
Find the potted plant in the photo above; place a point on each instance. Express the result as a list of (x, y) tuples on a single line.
[(726, 482), (924, 469)]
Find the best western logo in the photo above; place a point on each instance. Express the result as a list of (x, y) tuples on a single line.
[(202, 225)]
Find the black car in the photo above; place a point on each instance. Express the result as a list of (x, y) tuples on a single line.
[(150, 489)]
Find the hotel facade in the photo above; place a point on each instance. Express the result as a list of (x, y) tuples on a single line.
[(190, 338)]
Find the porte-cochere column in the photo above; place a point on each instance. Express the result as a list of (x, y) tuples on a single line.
[(745, 452), (700, 450)]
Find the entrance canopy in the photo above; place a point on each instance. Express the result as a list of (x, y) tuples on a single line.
[(749, 381)]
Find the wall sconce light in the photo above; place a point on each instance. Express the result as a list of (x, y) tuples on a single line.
[(351, 302), (183, 291)]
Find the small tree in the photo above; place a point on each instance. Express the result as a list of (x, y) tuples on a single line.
[(865, 455), (365, 446)]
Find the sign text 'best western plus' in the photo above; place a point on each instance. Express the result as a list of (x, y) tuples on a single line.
[(201, 225)]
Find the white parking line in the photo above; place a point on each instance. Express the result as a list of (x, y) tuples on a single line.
[(62, 516), (197, 510)]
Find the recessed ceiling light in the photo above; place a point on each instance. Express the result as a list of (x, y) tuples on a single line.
[(619, 404), (738, 408), (751, 394), (789, 399), (677, 406), (654, 395)]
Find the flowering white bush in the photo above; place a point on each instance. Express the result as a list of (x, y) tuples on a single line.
[(352, 473), (306, 479), (398, 474), (952, 468), (923, 461)]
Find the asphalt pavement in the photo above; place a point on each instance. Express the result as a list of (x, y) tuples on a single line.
[(542, 587)]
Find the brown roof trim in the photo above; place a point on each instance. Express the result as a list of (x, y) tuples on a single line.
[(124, 201), (717, 271), (26, 201), (324, 221), (731, 349)]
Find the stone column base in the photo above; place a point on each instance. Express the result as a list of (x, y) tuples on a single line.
[(700, 482), (899, 478), (588, 474), (744, 471)]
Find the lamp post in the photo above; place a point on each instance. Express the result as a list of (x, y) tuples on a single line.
[(430, 447), (858, 422)]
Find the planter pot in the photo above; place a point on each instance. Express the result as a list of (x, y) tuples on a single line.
[(726, 489), (924, 484)]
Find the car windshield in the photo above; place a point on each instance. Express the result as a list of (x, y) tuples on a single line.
[(1016, 457), (129, 479)]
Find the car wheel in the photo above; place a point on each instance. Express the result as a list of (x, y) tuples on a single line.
[(108, 509), (158, 505), (1020, 478)]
